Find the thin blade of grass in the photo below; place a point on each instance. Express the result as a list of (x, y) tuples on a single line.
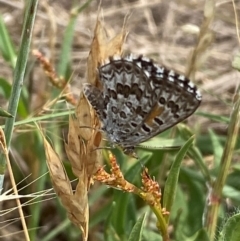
[(216, 191), (136, 233), (4, 113), (172, 180), (6, 46), (18, 77), (68, 39)]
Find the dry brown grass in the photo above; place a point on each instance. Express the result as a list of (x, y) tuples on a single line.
[(163, 30), (166, 32)]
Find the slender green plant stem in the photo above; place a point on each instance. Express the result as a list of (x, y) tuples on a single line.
[(68, 38), (35, 208), (6, 46), (18, 77), (64, 60), (216, 192), (58, 229)]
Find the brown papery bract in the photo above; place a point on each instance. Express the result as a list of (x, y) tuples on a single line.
[(84, 137)]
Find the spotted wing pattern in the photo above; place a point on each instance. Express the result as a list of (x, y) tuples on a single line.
[(140, 99)]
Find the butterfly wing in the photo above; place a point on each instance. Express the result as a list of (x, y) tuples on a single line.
[(177, 98), (140, 99), (128, 97)]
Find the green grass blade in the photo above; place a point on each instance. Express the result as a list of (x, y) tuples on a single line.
[(18, 77), (136, 233), (172, 180), (6, 47), (4, 113), (216, 192), (68, 39)]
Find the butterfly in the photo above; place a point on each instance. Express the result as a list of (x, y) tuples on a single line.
[(139, 99)]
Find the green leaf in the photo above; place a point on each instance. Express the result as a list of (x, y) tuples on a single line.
[(189, 224), (165, 144), (5, 91), (6, 46), (5, 88), (123, 215), (68, 39), (201, 235), (231, 231), (172, 180), (218, 118), (231, 192), (136, 233), (217, 148), (4, 113), (194, 152), (149, 234), (110, 232)]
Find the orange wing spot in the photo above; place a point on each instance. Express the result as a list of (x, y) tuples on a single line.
[(156, 111)]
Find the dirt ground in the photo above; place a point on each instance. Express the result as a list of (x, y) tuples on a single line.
[(163, 30)]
